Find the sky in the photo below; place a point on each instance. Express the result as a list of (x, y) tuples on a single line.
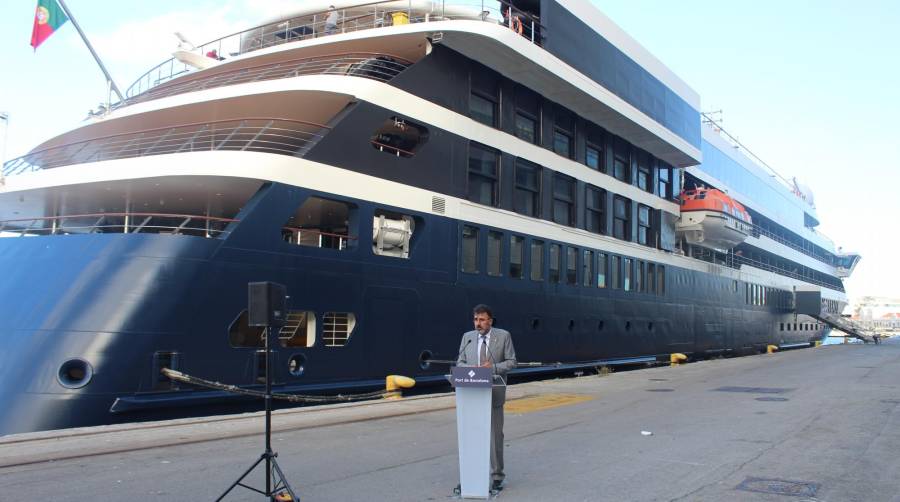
[(810, 86)]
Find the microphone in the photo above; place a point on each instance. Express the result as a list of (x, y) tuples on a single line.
[(463, 349)]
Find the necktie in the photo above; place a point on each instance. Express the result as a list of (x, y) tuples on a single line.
[(483, 356)]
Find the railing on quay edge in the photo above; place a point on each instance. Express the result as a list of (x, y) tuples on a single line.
[(351, 18), (272, 135)]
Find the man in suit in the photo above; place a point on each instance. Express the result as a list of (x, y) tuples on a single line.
[(492, 348)]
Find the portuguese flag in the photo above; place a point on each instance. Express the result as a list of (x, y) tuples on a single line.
[(47, 18)]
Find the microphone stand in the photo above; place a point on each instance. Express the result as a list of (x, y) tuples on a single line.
[(273, 470)]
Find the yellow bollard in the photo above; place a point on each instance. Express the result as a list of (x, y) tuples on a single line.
[(771, 349), (393, 384), (818, 343), (676, 359)]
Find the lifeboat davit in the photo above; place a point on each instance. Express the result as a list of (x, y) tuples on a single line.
[(712, 219)]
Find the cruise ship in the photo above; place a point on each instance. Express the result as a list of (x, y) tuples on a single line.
[(393, 164)]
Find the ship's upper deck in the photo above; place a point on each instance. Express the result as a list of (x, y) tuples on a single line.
[(564, 50)]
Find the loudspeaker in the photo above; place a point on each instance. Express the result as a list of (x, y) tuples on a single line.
[(266, 303)]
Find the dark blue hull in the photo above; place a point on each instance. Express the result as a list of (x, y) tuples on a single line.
[(116, 300)]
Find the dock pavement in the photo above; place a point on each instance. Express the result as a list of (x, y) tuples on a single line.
[(817, 424)]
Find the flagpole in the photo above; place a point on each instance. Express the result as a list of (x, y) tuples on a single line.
[(109, 79)]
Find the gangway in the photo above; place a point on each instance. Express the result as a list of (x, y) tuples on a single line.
[(809, 302)]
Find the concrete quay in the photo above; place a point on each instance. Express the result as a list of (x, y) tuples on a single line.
[(814, 424)]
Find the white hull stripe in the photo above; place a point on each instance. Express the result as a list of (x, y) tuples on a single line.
[(416, 108), (341, 182)]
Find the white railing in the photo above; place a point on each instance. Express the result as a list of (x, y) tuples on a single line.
[(362, 16)]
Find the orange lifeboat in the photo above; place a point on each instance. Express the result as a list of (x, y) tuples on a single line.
[(712, 219)]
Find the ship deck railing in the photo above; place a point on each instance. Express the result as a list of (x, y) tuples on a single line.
[(737, 260), (357, 17), (112, 222), (758, 230), (157, 223), (259, 134), (376, 66)]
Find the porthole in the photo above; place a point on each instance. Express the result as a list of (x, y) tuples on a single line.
[(425, 359), (297, 364), (535, 323), (627, 325), (649, 326), (75, 373), (599, 325), (571, 324)]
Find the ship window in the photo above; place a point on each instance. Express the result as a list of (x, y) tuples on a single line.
[(620, 167), (594, 205), (554, 262), (665, 183), (241, 334), (494, 253), (297, 364), (571, 265), (483, 110), (781, 328), (601, 270), (639, 282), (337, 328), (526, 128), (528, 188), (615, 270), (621, 218), (393, 233), (643, 224), (299, 329), (587, 268), (564, 200), (651, 277), (788, 326), (484, 173), (470, 249), (260, 361), (516, 254), (592, 157), (628, 274), (661, 279), (537, 260), (400, 137), (321, 223), (562, 143), (643, 175)]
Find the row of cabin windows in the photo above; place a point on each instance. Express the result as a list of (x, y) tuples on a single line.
[(755, 294), (628, 164), (565, 264), (484, 188), (831, 306), (299, 330), (805, 326)]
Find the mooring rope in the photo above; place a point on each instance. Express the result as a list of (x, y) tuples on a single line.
[(294, 398)]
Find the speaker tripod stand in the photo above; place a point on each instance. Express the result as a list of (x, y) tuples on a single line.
[(277, 486)]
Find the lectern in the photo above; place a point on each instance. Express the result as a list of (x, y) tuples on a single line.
[(473, 428)]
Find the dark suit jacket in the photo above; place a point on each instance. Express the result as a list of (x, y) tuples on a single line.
[(501, 353)]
